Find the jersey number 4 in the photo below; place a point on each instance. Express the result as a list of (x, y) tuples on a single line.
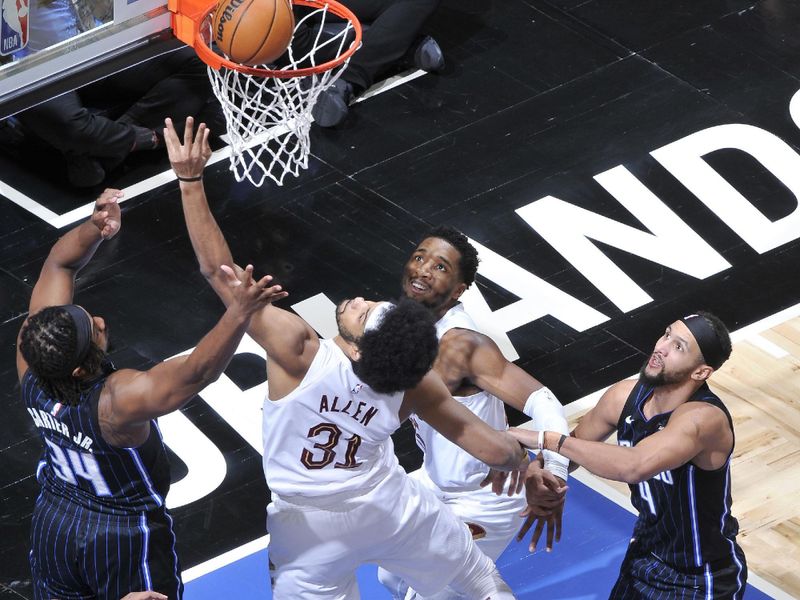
[(325, 450)]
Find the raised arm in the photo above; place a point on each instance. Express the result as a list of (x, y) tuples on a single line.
[(289, 341), (431, 401), (56, 282), (131, 398)]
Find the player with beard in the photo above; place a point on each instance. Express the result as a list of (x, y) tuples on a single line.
[(675, 441), (339, 497), (439, 271)]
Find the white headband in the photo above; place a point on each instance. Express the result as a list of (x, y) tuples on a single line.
[(376, 316)]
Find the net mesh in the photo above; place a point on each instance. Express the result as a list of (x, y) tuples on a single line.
[(269, 118)]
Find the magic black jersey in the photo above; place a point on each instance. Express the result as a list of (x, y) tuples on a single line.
[(684, 514), (80, 467)]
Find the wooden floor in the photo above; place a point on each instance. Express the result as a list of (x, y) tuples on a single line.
[(761, 387)]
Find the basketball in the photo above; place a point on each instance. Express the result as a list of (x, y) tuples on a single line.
[(253, 32)]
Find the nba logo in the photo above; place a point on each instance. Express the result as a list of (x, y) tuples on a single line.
[(13, 26)]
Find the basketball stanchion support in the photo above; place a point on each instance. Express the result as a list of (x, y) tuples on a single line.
[(267, 108)]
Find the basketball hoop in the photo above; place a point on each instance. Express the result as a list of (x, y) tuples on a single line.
[(268, 110)]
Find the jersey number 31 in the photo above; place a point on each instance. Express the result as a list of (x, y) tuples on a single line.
[(325, 450)]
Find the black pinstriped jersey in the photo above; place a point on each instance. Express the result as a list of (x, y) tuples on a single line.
[(79, 466), (684, 514)]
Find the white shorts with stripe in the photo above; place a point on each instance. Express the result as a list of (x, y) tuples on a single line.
[(399, 525), (493, 519)]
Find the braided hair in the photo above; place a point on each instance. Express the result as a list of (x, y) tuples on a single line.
[(48, 344)]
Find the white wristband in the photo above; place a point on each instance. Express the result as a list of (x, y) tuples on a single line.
[(555, 463), (541, 440)]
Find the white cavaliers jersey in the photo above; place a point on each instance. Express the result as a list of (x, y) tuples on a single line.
[(448, 466), (329, 439)]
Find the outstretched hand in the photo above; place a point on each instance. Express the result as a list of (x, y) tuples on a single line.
[(251, 296), (188, 159), (107, 216), (545, 495), (497, 479)]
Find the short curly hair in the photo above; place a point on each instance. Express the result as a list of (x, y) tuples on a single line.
[(468, 255), (397, 355), (47, 343)]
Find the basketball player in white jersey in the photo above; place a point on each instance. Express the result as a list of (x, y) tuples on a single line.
[(339, 495), (438, 272)]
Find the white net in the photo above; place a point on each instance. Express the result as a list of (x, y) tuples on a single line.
[(269, 118)]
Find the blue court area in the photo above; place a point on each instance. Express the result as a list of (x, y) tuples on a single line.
[(583, 566)]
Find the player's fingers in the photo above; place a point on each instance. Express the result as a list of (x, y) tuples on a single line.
[(537, 533), (512, 485), (525, 526), (188, 132), (274, 293), (206, 145), (264, 281), (199, 147), (110, 228), (170, 136), (550, 528), (558, 526), (201, 134), (230, 276), (247, 276)]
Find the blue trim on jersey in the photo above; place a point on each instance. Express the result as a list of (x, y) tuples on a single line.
[(698, 556), (730, 540), (709, 583), (174, 552), (145, 476), (55, 549), (148, 582)]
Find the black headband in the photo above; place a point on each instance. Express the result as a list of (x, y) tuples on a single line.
[(707, 340), (83, 333)]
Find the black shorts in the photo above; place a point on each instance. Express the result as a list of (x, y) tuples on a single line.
[(649, 577), (78, 553)]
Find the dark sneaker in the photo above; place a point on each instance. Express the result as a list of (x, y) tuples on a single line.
[(332, 105), (84, 171), (144, 139), (428, 56)]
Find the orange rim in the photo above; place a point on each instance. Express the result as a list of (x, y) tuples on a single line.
[(188, 16)]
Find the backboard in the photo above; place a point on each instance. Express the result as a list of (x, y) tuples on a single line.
[(70, 43)]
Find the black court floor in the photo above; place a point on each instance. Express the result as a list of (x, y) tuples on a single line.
[(619, 163)]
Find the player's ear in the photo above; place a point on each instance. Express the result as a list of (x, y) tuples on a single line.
[(460, 289), (352, 351), (702, 372)]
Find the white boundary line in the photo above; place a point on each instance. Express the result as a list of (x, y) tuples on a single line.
[(62, 220), (28, 204), (225, 559)]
